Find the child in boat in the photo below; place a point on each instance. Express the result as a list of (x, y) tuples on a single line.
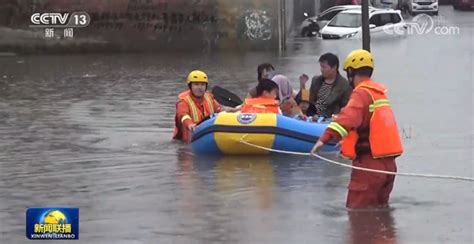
[(306, 107), (267, 92)]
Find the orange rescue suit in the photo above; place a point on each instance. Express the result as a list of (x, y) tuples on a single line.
[(370, 138), (384, 139), (190, 110)]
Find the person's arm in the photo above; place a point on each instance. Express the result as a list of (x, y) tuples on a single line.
[(303, 79), (182, 111), (313, 90), (350, 118)]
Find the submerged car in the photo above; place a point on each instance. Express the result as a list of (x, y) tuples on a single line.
[(348, 24), (312, 25)]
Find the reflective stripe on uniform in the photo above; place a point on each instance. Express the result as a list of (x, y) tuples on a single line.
[(194, 113), (185, 117), (207, 98), (378, 103), (338, 128)]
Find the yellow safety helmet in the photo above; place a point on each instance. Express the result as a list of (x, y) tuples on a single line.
[(358, 59), (197, 76)]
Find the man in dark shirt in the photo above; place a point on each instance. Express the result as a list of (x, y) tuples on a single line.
[(329, 92)]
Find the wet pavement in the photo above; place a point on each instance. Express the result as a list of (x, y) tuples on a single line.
[(94, 132)]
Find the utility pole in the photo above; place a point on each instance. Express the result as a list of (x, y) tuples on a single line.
[(282, 25), (365, 25)]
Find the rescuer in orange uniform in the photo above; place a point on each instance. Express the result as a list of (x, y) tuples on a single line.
[(194, 105), (369, 135)]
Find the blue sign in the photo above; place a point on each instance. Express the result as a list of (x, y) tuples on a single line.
[(52, 223)]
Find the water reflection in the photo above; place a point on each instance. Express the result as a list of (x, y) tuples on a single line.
[(371, 227), (224, 198), (251, 175)]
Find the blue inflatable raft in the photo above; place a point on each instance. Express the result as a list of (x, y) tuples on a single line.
[(223, 133)]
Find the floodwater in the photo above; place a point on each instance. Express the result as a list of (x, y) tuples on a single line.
[(94, 131)]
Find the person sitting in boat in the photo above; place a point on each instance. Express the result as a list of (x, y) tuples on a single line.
[(306, 107), (194, 105), (264, 71), (267, 92), (329, 92), (286, 99)]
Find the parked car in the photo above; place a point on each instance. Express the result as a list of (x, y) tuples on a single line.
[(415, 7), (463, 4), (348, 24), (387, 4), (312, 25)]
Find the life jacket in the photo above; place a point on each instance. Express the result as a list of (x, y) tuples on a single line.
[(259, 105), (384, 139), (196, 115)]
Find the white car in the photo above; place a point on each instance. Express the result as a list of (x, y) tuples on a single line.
[(421, 6), (387, 4), (348, 24), (310, 26)]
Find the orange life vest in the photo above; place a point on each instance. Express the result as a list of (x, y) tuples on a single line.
[(196, 115), (384, 139), (259, 105)]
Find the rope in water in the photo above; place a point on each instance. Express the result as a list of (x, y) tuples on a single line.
[(356, 167)]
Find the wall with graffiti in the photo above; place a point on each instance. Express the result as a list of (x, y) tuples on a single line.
[(149, 24), (249, 23)]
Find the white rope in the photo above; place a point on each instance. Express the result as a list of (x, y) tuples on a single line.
[(356, 167)]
